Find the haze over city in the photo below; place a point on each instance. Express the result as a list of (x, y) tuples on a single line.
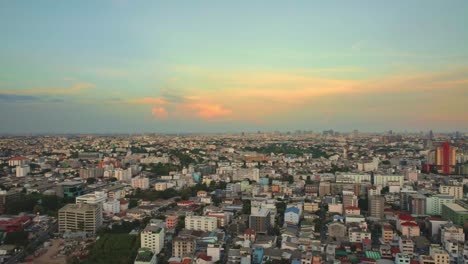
[(219, 66)]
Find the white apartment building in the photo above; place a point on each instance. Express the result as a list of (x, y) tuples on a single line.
[(358, 235), (353, 178), (202, 223), (452, 190), (140, 182), (435, 202), (384, 179), (451, 232), (22, 170), (112, 206), (123, 175), (152, 237)]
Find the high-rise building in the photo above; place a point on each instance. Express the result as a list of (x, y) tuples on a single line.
[(376, 206), (434, 203), (259, 220), (80, 217), (445, 158), (417, 204), (152, 237)]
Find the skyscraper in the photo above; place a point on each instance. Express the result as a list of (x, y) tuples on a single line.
[(376, 206), (446, 158)]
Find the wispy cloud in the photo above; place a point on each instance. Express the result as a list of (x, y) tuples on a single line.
[(13, 98), (74, 89)]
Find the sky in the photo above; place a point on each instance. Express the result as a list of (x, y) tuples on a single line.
[(174, 66)]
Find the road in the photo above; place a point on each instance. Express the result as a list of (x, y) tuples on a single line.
[(31, 247)]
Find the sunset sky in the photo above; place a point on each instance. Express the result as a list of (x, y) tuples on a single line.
[(232, 66)]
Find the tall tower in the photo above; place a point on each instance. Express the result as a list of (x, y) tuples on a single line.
[(446, 157)]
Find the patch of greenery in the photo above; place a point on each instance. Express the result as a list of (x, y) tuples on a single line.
[(114, 248)]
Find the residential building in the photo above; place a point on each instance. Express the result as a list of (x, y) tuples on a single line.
[(452, 190), (387, 233), (259, 220), (456, 213), (417, 204), (111, 206), (292, 215), (406, 245), (140, 182), (434, 203), (384, 179), (202, 223), (183, 246), (22, 170), (152, 237), (357, 234), (171, 221), (376, 206)]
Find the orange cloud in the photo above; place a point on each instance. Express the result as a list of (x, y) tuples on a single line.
[(149, 100), (209, 111), (160, 113)]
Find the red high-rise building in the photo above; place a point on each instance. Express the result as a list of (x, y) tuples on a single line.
[(446, 158)]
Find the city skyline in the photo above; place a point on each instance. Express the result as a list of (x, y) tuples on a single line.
[(193, 67)]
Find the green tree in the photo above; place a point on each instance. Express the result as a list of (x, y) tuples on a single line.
[(246, 207)]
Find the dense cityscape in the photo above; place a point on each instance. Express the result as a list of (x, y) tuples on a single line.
[(297, 197), (233, 132)]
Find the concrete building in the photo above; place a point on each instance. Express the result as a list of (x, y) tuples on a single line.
[(417, 204), (80, 217), (97, 198), (260, 221), (292, 215), (434, 203), (171, 221), (201, 223), (376, 206), (451, 232), (337, 230), (183, 246), (452, 190), (123, 175), (357, 234), (387, 233), (384, 179), (111, 206), (324, 188), (456, 213), (18, 161), (86, 173), (152, 237), (406, 245), (22, 170), (140, 183), (7, 197)]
